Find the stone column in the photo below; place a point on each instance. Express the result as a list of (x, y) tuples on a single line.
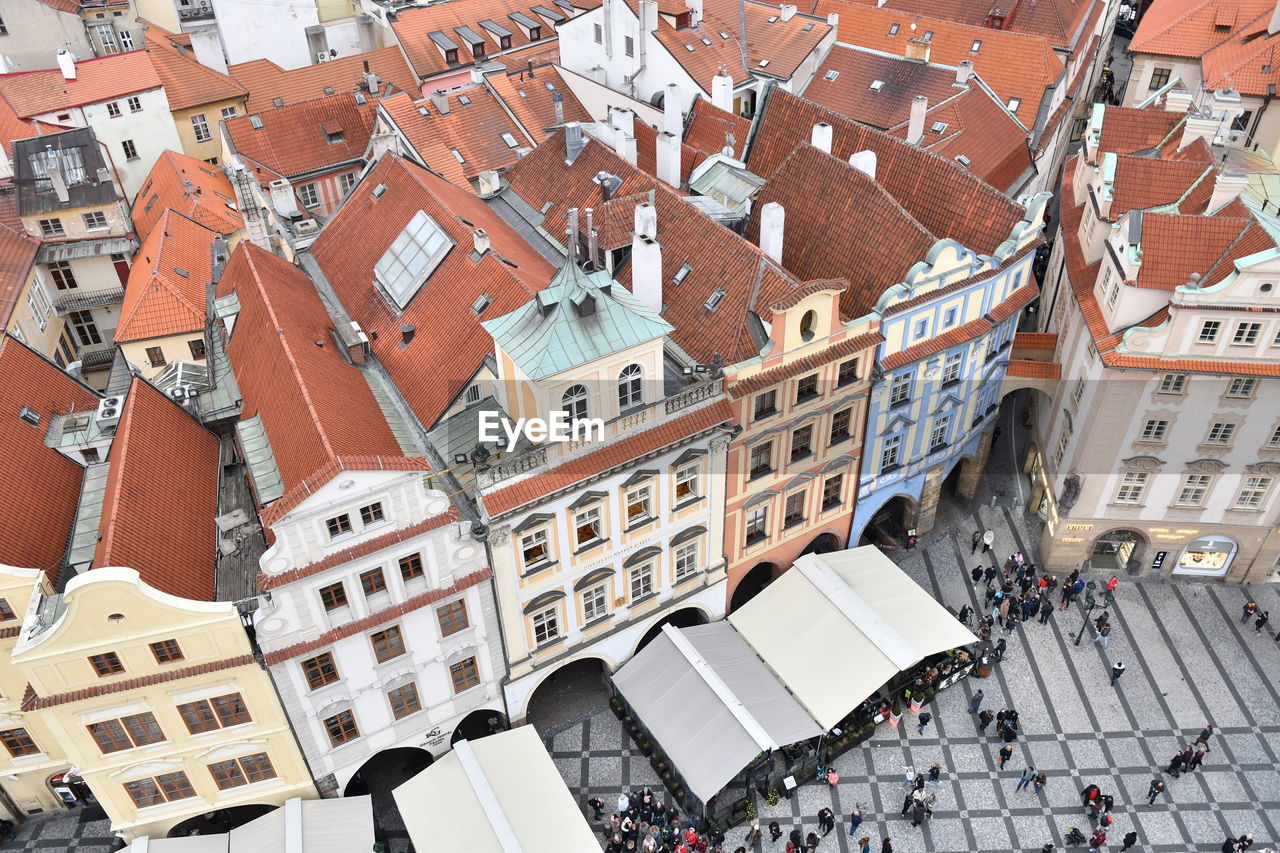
[(928, 506), (971, 472)]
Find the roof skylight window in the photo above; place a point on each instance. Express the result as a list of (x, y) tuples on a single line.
[(939, 127), (412, 257), (831, 75), (876, 85), (509, 140), (457, 155)]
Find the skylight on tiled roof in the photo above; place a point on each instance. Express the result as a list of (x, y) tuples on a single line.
[(893, 29), (457, 155), (407, 264), (975, 47), (831, 75), (509, 140), (689, 48), (876, 85)]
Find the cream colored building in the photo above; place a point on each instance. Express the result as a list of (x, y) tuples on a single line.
[(158, 700)]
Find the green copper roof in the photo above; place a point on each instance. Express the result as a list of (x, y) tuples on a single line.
[(580, 317)]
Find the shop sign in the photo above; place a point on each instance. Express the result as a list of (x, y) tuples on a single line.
[(1159, 559), (1079, 526), (435, 737)]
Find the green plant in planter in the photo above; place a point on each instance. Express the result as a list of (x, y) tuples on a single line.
[(772, 797), (897, 710), (751, 810)]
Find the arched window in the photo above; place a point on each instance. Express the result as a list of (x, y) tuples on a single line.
[(806, 325), (629, 393), (574, 401)]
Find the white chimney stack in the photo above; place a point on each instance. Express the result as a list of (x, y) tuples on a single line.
[(821, 136), (772, 218), (672, 115), (489, 182), (787, 12), (669, 159), (646, 258), (833, 20), (67, 64), (915, 125), (695, 11), (722, 92), (865, 162), (481, 238), (1227, 187), (963, 72), (623, 120), (283, 199), (626, 148), (440, 100)]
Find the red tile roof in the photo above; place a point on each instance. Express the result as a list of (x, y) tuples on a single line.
[(33, 93), (1035, 340), (320, 477), (449, 345), (1142, 182), (1244, 60), (528, 94), (266, 81), (1174, 247), (525, 492), (40, 506), (1025, 369), (315, 406), (187, 83), (1058, 21), (414, 25), (760, 381), (473, 130), (709, 128), (1128, 129), (12, 127), (294, 140), (17, 254), (1190, 28), (165, 294), (856, 69), (946, 199), (1014, 65), (360, 626), (33, 702), (193, 188), (164, 471), (647, 155)]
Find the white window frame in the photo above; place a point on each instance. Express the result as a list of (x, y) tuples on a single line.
[(1154, 430), (1221, 434), (1194, 490), (938, 435), (630, 387), (587, 517), (1133, 488), (531, 540), (595, 603), (1209, 331), (640, 581), (1246, 334), (1173, 383), (1242, 387), (687, 479), (200, 127), (309, 195), (547, 623), (891, 452), (757, 521), (641, 497), (685, 560), (1253, 493), (951, 367), (900, 388)]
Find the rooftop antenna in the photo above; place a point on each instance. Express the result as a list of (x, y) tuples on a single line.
[(742, 35)]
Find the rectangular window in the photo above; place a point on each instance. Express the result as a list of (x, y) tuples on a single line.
[(135, 105), (155, 356), (411, 567), (1242, 387), (308, 195), (6, 612), (756, 531), (1194, 489), (227, 774), (373, 581), (143, 729), (761, 457), (347, 181), (320, 670), (51, 227), (339, 525), (107, 663), (686, 483), (1246, 334), (891, 453), (599, 34), (387, 644), (198, 717), (404, 700), (840, 423), (848, 372), (197, 348), (1253, 493), (144, 792), (766, 404), (641, 581), (130, 150), (4, 31), (94, 221), (60, 272), (175, 786), (166, 651), (639, 505), (452, 617), (1154, 430), (201, 128), (341, 728), (110, 736), (258, 767), (807, 388), (586, 526), (464, 674), (921, 328), (938, 435), (951, 368), (1274, 440), (228, 112), (333, 596), (533, 548), (18, 742), (1159, 78), (793, 510), (230, 709), (900, 389), (595, 604), (126, 39), (831, 492), (686, 560), (629, 45), (1172, 383), (1078, 391), (801, 443), (1209, 331), (546, 626), (371, 514), (1132, 487), (1220, 433)]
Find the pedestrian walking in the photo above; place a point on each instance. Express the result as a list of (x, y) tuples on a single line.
[(1249, 609), (1028, 776), (1046, 610), (1108, 802), (1104, 635), (811, 842), (826, 820), (976, 574), (1205, 734), (1230, 845), (919, 785), (1245, 841), (990, 574), (1089, 794), (1039, 784), (1098, 840), (935, 771), (976, 701), (1261, 621), (977, 540), (918, 813), (855, 820), (1095, 811), (988, 538), (1156, 789), (1006, 752), (1113, 583), (907, 802), (1028, 608), (886, 846), (775, 832), (1000, 648), (1198, 757), (1104, 619), (1116, 672), (864, 845), (908, 776), (1047, 848), (984, 720), (1175, 765), (965, 614), (1130, 839), (1010, 624), (597, 806)]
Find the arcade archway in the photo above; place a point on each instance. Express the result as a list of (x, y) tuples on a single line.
[(823, 543), (478, 724), (219, 821), (576, 690), (685, 617), (752, 584)]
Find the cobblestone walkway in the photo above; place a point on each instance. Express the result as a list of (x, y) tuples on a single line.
[(84, 830)]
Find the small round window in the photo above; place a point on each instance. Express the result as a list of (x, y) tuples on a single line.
[(1266, 287), (806, 325), (115, 618)]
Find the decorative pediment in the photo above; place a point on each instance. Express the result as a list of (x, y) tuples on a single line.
[(689, 456), (1141, 463), (948, 402), (1207, 466), (592, 578), (533, 521), (688, 533), (542, 601), (1269, 468), (587, 498), (639, 477), (798, 480), (837, 462), (760, 497), (897, 423), (646, 553)]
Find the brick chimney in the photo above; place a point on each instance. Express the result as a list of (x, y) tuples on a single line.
[(917, 50), (915, 125)]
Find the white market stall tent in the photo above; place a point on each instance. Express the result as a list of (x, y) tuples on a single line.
[(838, 626), (299, 826), (500, 794), (711, 703)]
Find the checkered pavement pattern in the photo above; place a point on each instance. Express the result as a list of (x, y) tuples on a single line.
[(83, 830)]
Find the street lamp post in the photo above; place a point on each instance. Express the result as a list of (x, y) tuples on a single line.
[(1108, 598)]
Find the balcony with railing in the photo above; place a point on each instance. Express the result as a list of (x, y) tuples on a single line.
[(97, 356), (194, 11), (67, 301)]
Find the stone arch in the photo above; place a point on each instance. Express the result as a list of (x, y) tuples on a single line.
[(752, 583)]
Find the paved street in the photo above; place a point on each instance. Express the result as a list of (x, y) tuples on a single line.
[(84, 830), (1188, 663)]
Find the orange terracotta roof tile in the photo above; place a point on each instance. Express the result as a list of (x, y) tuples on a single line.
[(849, 346), (12, 127), (857, 69), (360, 626), (320, 477), (1253, 239), (1014, 302), (315, 406), (966, 332), (295, 140), (1142, 182), (1128, 129), (187, 83), (266, 82), (164, 466), (528, 95), (647, 154), (32, 93), (165, 294), (413, 28), (474, 130), (1025, 369), (17, 255), (565, 475), (193, 188), (1174, 247), (38, 515), (1013, 64), (1035, 340), (1244, 60), (709, 128), (449, 345), (1190, 27), (33, 702), (1059, 21)]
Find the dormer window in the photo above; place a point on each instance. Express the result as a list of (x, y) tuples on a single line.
[(451, 56), (411, 258), (505, 42), (477, 50), (683, 21), (535, 33)]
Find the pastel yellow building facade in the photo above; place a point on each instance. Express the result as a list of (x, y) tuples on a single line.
[(157, 700)]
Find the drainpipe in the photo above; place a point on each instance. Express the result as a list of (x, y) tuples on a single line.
[(1257, 119)]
